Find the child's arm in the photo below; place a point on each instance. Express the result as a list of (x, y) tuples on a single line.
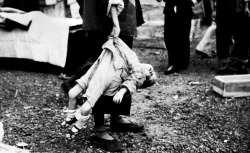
[(119, 95), (135, 80)]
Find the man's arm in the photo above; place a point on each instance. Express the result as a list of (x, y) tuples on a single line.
[(116, 26), (247, 11), (10, 10)]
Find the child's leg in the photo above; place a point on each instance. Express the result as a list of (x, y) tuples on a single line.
[(70, 112), (73, 93), (82, 115)]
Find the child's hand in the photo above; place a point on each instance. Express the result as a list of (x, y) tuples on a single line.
[(119, 95)]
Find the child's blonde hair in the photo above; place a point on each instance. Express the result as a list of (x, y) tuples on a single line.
[(148, 71)]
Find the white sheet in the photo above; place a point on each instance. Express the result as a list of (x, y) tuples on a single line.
[(45, 41)]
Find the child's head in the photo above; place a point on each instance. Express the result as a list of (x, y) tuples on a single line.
[(150, 74)]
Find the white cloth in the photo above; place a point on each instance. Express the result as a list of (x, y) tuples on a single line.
[(46, 40)]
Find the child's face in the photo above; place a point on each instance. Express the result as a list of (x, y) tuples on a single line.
[(150, 75)]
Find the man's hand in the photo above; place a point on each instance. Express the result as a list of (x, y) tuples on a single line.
[(247, 11), (195, 1), (119, 95), (115, 34)]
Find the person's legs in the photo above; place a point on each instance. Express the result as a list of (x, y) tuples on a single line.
[(77, 52), (248, 40), (240, 51), (105, 105), (224, 32), (195, 26), (223, 43), (100, 129), (118, 122), (183, 51), (82, 115), (201, 47), (207, 5), (170, 38)]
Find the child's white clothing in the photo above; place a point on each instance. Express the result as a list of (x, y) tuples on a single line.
[(117, 67)]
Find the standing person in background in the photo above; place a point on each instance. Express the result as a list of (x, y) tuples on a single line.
[(231, 20), (247, 11), (201, 48), (178, 15), (199, 14), (208, 12), (205, 41)]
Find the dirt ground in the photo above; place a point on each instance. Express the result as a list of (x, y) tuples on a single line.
[(179, 117)]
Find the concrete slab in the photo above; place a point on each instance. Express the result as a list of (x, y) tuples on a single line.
[(4, 148), (232, 85)]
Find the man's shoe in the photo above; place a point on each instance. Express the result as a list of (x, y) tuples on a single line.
[(126, 127), (202, 54), (108, 145), (239, 67), (224, 66), (171, 69), (65, 89), (64, 76)]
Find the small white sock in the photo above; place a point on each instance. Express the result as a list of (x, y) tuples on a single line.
[(74, 129), (70, 113), (81, 120)]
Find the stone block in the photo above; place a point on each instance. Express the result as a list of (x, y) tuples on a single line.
[(232, 85)]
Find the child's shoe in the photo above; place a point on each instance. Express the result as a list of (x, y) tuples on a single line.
[(70, 118), (79, 124)]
